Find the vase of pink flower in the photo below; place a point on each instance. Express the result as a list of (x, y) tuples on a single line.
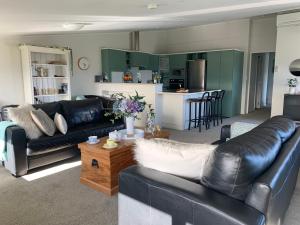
[(128, 108)]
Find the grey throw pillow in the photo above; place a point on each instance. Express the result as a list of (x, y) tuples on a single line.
[(61, 123), (21, 116), (44, 122)]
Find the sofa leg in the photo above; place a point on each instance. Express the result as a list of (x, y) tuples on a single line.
[(15, 176)]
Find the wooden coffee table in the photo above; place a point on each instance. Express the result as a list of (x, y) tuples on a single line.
[(100, 167)]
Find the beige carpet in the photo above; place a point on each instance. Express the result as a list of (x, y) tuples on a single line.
[(60, 199)]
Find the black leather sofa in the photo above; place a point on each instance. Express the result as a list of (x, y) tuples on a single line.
[(84, 118), (249, 180)]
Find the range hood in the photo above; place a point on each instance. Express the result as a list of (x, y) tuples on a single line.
[(134, 38)]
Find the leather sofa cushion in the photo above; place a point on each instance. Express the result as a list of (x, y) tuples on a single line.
[(74, 136), (50, 108), (82, 112), (283, 126), (234, 165)]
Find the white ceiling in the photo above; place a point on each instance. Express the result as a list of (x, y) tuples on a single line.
[(47, 16)]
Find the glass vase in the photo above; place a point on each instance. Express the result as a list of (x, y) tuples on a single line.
[(130, 126), (150, 125)]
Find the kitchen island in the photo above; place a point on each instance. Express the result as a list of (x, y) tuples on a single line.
[(175, 109), (171, 108), (150, 91)]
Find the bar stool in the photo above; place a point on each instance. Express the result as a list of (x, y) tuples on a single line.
[(220, 106), (196, 102), (213, 102), (204, 115)]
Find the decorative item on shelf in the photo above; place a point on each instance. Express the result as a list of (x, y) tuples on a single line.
[(64, 88), (42, 72), (83, 63), (35, 91), (105, 77), (128, 108), (57, 62), (127, 77), (59, 76), (150, 122), (156, 77), (139, 77), (292, 85), (98, 78)]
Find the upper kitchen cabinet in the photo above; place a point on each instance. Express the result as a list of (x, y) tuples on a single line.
[(225, 71), (213, 70), (113, 60), (177, 62), (154, 63), (140, 59)]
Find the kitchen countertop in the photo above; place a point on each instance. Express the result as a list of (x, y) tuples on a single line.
[(129, 83), (184, 93)]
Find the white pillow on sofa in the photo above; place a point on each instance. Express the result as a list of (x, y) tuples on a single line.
[(22, 117), (181, 159)]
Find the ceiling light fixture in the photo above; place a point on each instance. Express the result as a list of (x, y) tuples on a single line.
[(73, 26), (152, 6)]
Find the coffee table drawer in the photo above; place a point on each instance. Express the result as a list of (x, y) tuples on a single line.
[(94, 169)]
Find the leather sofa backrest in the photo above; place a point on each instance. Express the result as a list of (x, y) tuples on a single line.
[(282, 125), (50, 108), (234, 165), (82, 112)]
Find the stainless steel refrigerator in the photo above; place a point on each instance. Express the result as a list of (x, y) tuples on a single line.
[(196, 75)]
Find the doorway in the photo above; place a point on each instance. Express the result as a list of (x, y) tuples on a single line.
[(261, 81)]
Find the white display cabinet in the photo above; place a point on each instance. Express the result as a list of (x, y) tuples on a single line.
[(46, 74)]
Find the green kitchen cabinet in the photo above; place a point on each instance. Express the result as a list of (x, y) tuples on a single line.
[(225, 71), (213, 67), (113, 60), (177, 61), (140, 59), (154, 62)]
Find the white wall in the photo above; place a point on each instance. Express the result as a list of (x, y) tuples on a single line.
[(232, 34), (263, 34), (258, 35), (153, 41), (262, 39), (11, 82), (82, 44), (287, 50), (87, 45)]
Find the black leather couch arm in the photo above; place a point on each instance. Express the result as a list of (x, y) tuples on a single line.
[(185, 201), (225, 132), (16, 151)]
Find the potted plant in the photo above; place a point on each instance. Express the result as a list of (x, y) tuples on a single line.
[(292, 82), (128, 108)]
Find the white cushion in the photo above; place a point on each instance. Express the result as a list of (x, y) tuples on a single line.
[(21, 116), (181, 159), (61, 123), (44, 122)]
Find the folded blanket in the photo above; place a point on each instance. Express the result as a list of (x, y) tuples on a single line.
[(3, 126)]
